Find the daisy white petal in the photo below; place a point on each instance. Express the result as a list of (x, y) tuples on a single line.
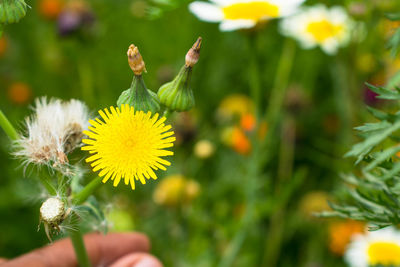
[(207, 12), (231, 25)]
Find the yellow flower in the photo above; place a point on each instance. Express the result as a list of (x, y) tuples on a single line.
[(176, 189), (235, 105), (314, 202), (128, 145), (204, 149)]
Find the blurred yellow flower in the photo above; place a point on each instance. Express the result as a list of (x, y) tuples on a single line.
[(176, 189), (242, 14), (314, 202), (235, 105), (328, 28), (340, 234), (204, 149), (236, 138), (128, 145)]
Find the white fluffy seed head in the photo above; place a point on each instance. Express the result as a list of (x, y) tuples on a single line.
[(54, 130), (52, 210)]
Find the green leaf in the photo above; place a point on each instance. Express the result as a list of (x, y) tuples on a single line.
[(393, 16), (369, 127), (379, 157), (384, 93), (361, 149)]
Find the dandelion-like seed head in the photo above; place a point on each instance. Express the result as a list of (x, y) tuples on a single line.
[(52, 210), (53, 131), (128, 145)]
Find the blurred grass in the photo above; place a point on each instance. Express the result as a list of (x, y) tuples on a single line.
[(96, 70)]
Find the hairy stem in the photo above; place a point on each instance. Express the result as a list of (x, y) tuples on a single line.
[(79, 245)]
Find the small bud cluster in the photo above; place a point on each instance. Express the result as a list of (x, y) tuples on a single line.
[(174, 96)]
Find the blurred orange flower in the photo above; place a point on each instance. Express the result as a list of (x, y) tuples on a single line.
[(240, 142), (50, 9), (248, 122), (340, 234), (19, 93), (3, 46)]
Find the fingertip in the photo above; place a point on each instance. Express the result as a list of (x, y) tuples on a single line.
[(137, 260)]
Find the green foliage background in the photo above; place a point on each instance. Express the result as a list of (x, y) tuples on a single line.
[(95, 70)]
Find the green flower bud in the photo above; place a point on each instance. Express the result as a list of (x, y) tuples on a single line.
[(177, 95), (11, 11), (139, 96)]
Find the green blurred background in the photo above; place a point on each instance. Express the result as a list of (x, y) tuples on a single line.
[(326, 98)]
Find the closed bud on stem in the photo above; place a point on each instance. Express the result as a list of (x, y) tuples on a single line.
[(12, 11), (177, 94), (135, 60), (138, 95), (52, 214), (193, 54)]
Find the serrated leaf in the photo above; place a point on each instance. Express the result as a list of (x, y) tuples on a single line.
[(379, 157), (369, 127), (361, 149), (384, 93), (380, 115), (393, 16)]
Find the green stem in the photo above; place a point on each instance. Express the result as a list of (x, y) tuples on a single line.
[(88, 190), (49, 187), (86, 81), (275, 232), (79, 245), (343, 101), (7, 127), (253, 165), (278, 93), (254, 75), (167, 113), (247, 219)]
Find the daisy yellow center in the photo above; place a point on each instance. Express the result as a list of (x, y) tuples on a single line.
[(251, 11), (323, 29), (384, 253), (128, 145)]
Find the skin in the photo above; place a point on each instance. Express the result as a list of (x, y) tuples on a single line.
[(114, 250)]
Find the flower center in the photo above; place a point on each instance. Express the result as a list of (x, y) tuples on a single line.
[(384, 253), (251, 11), (323, 29)]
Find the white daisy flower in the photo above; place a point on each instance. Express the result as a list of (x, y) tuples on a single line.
[(54, 130), (242, 14), (376, 248), (319, 26)]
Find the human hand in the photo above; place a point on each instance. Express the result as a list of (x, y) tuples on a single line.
[(114, 250)]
